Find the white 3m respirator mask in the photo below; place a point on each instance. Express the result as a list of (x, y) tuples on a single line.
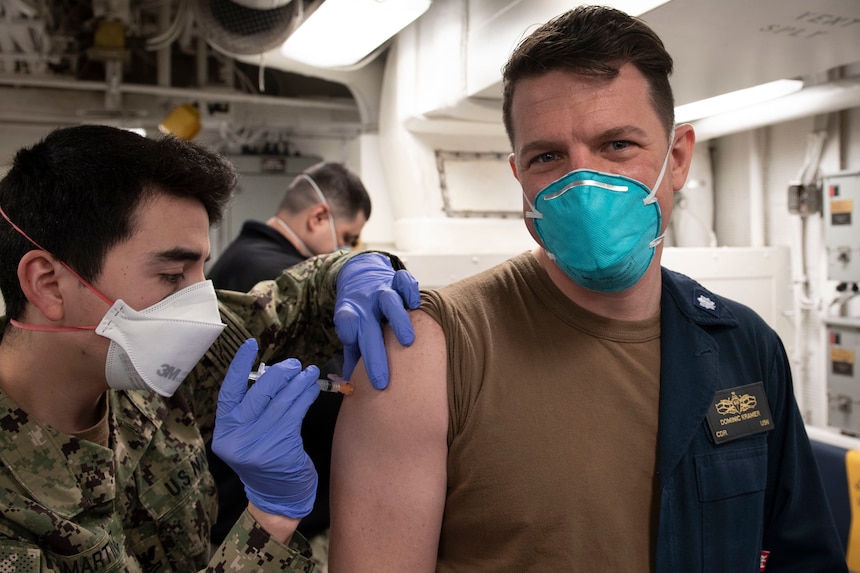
[(155, 348)]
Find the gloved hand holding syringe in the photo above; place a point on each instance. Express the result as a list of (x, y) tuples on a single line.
[(334, 383)]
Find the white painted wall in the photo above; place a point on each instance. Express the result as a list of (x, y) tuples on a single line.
[(749, 176), (437, 93)]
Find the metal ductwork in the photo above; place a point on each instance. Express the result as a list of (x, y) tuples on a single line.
[(248, 27), (263, 4)]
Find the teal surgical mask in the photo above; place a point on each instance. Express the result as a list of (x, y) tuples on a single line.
[(601, 229)]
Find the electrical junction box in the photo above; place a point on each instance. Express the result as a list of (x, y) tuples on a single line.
[(804, 199), (842, 226), (843, 374)]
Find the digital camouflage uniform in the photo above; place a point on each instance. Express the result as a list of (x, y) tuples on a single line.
[(147, 503)]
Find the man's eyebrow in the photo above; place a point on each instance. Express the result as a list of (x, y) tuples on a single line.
[(618, 132), (537, 144), (177, 254), (622, 131)]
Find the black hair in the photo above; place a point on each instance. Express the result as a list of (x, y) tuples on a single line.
[(77, 191), (342, 189)]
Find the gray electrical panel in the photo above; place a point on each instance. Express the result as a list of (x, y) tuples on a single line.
[(842, 226), (843, 375)]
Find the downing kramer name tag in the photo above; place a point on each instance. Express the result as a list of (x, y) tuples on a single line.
[(738, 412)]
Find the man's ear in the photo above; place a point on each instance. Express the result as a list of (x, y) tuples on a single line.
[(38, 275), (317, 215), (682, 155), (512, 161)]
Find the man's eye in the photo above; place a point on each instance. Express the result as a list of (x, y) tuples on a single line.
[(619, 145), (173, 278), (544, 157)]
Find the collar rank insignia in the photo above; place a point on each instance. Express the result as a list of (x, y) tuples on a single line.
[(739, 412), (704, 301)]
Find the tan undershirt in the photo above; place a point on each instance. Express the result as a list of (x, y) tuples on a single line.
[(553, 429), (98, 433)]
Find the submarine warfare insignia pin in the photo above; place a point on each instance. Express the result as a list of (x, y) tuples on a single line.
[(739, 412)]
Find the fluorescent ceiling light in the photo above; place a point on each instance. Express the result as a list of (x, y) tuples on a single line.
[(735, 100), (340, 33), (635, 7)]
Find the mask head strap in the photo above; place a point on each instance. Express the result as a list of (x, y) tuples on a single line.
[(301, 246), (48, 328), (533, 213), (335, 245), (652, 196)]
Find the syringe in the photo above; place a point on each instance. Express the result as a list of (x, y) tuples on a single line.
[(334, 384)]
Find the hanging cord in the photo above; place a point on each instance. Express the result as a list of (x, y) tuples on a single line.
[(805, 301), (298, 19), (174, 31), (809, 173)]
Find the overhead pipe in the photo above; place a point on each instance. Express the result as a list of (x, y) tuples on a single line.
[(833, 96), (178, 93)]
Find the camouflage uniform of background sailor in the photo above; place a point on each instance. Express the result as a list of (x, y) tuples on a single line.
[(71, 505)]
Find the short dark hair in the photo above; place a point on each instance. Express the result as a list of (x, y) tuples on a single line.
[(594, 41), (342, 189), (77, 191)]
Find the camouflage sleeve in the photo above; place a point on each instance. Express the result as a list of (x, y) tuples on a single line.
[(18, 557), (249, 548), (291, 316)]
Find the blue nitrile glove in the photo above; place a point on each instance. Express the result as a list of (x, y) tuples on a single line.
[(368, 291), (258, 432)]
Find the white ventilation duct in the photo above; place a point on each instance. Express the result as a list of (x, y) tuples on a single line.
[(247, 27), (263, 4)]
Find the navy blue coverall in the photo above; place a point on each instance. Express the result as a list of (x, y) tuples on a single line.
[(723, 505)]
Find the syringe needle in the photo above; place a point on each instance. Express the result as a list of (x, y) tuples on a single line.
[(334, 384)]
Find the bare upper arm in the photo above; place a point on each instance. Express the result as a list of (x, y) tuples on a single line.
[(389, 461)]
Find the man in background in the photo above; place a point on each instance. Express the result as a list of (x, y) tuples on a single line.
[(323, 210)]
